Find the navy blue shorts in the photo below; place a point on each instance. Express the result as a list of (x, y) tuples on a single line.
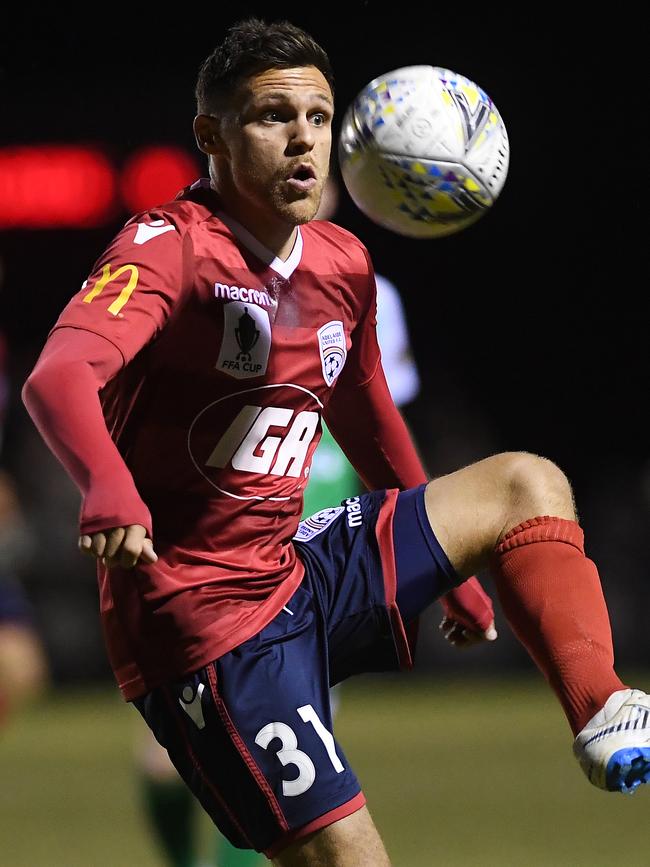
[(251, 733)]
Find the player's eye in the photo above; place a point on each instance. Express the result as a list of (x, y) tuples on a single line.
[(318, 119), (272, 116)]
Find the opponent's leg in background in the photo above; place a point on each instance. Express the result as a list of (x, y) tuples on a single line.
[(229, 856), (23, 667), (350, 842), (515, 513), (169, 805)]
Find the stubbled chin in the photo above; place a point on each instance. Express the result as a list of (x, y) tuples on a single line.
[(300, 211)]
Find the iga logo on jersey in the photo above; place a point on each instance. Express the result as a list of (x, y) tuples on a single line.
[(331, 344), (252, 451), (247, 446), (246, 340)]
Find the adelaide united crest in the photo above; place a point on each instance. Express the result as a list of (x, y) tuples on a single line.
[(332, 347)]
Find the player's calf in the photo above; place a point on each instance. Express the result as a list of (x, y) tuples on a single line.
[(351, 842), (514, 512)]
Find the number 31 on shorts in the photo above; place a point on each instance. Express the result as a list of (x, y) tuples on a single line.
[(289, 754)]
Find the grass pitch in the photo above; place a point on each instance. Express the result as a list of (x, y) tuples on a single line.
[(457, 774)]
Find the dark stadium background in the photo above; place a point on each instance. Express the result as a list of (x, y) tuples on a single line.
[(530, 329)]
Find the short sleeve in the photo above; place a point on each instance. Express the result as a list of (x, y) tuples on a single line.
[(133, 287)]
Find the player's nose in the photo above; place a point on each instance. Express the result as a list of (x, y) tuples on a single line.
[(301, 137)]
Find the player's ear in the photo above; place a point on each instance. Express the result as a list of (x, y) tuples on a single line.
[(208, 137)]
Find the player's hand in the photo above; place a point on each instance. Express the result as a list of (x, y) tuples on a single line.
[(120, 546), (461, 636), (468, 615)]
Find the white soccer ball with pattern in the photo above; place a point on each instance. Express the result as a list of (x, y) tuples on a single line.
[(423, 151)]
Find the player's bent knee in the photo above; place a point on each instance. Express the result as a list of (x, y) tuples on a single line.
[(537, 486), (351, 842)]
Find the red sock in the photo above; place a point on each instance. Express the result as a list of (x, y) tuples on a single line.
[(552, 598)]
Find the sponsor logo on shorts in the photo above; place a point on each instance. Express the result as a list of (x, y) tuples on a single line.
[(315, 524), (353, 508), (190, 701)]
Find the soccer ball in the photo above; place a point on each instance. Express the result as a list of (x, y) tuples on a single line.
[(423, 151)]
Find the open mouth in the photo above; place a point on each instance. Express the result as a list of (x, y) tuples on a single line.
[(302, 178), (304, 173)]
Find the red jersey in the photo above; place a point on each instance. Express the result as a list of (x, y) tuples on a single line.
[(230, 358)]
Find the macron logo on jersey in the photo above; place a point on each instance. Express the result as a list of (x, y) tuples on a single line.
[(147, 231), (241, 293)]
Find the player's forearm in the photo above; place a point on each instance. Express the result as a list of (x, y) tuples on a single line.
[(372, 433), (61, 395)]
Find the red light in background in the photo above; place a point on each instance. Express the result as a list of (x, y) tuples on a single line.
[(45, 186), (154, 175)]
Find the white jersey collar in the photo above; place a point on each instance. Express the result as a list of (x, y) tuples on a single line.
[(284, 268)]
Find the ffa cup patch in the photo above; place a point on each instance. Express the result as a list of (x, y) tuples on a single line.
[(331, 344), (246, 340)]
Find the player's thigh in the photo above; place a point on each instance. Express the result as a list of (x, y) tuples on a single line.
[(375, 566), (471, 509), (351, 842)]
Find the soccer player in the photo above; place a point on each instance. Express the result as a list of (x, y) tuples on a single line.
[(168, 803), (183, 388), (23, 663)]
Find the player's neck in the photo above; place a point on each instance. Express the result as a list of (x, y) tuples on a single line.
[(277, 236)]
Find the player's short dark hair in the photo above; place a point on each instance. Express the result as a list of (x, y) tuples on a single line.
[(252, 46)]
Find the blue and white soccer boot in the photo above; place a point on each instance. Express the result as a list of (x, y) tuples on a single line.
[(614, 747)]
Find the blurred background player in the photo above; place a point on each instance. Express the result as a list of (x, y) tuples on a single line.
[(168, 803), (23, 665)]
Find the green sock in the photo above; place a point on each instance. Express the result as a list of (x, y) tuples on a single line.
[(170, 808), (229, 856)]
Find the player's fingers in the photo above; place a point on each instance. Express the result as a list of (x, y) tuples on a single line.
[(452, 629), (490, 633), (148, 554), (455, 635), (131, 547), (461, 636), (113, 542), (84, 544), (98, 544)]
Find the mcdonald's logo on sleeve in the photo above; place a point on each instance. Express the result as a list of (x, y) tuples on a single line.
[(107, 277)]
